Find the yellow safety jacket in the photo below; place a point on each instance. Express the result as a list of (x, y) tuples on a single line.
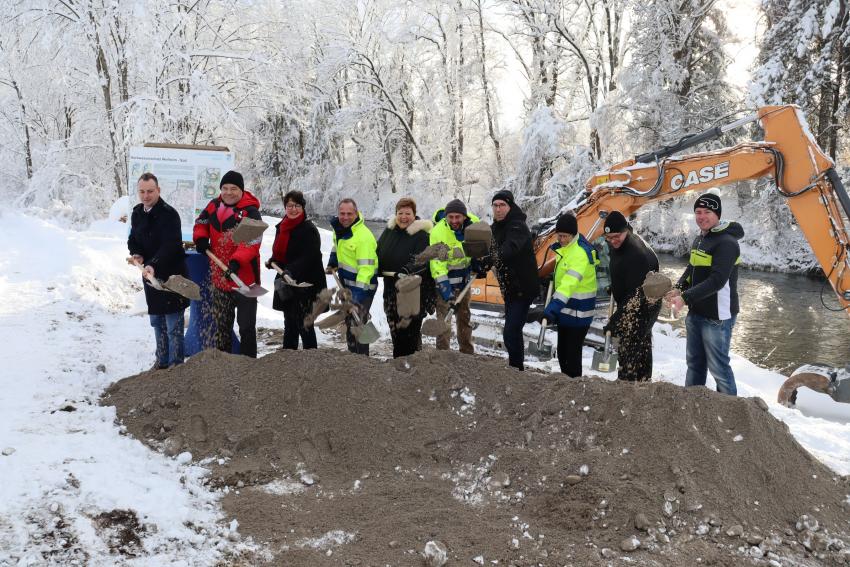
[(454, 271), (354, 254), (574, 299)]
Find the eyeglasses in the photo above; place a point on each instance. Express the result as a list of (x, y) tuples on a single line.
[(293, 206)]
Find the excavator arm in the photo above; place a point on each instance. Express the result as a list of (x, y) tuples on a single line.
[(789, 154)]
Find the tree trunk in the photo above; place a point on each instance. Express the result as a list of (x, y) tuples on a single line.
[(486, 87), (27, 144)]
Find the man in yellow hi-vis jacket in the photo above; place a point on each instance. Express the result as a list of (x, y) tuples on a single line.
[(355, 258), (453, 274)]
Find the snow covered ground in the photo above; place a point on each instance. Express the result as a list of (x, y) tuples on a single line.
[(73, 321)]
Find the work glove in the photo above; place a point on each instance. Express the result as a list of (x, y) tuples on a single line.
[(477, 268), (202, 245), (553, 310), (445, 289), (232, 268), (535, 314), (269, 263)]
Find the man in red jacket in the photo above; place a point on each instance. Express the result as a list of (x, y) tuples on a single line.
[(214, 231)]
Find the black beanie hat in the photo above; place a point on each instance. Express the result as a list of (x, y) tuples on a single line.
[(567, 223), (616, 222), (234, 178), (709, 201), (504, 195), (456, 206)]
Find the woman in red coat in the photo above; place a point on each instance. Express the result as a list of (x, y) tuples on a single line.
[(213, 231)]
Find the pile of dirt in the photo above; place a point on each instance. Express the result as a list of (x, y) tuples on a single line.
[(329, 458)]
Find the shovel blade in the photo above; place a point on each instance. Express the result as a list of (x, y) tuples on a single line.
[(604, 362), (331, 320), (183, 286), (366, 334), (248, 230), (253, 290), (542, 353), (435, 327)]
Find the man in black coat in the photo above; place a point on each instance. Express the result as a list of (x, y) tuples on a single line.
[(512, 258), (156, 242), (631, 260)]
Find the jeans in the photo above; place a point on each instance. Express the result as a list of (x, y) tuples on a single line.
[(708, 350), (168, 330), (516, 310)]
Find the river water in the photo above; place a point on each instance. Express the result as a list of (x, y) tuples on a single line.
[(782, 323)]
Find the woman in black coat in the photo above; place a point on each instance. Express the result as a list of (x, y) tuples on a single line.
[(297, 250), (406, 236)]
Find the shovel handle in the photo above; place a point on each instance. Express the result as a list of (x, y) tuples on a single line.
[(457, 300), (224, 268), (543, 324), (276, 267)]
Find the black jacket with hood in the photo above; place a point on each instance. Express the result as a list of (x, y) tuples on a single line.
[(512, 257), (710, 282)]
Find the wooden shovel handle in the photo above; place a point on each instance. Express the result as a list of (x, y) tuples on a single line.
[(276, 267), (224, 268)]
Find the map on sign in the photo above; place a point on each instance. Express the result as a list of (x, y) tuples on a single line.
[(188, 177)]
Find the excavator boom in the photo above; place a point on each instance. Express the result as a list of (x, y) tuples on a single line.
[(802, 173)]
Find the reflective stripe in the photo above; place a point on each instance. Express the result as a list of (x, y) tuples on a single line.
[(700, 259), (577, 313), (348, 268), (361, 285), (575, 274), (442, 278), (584, 295), (460, 266), (366, 262), (459, 280), (560, 297)]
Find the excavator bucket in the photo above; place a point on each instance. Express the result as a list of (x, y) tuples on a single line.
[(788, 392)]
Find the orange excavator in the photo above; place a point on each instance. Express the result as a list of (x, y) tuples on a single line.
[(804, 175)]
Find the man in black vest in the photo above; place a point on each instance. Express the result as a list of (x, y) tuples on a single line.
[(631, 260), (156, 242)]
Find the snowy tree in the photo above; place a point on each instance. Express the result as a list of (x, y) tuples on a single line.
[(805, 59)]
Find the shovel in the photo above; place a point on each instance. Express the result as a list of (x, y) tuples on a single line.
[(476, 239), (249, 230), (254, 290), (365, 333), (538, 348), (283, 285), (655, 287), (436, 327), (175, 284), (605, 360)]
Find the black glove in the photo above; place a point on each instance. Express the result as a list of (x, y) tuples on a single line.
[(232, 268), (202, 245), (613, 322)]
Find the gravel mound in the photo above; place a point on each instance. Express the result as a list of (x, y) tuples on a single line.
[(334, 459)]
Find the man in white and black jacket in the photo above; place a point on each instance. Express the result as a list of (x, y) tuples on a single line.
[(709, 287)]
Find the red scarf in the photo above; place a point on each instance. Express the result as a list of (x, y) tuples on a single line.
[(281, 241)]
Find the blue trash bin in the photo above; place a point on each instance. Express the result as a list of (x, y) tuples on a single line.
[(200, 335)]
